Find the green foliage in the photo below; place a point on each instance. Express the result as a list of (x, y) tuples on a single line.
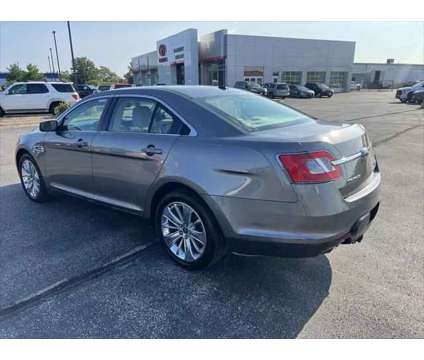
[(65, 76), (63, 106), (32, 73), (15, 73), (86, 72)]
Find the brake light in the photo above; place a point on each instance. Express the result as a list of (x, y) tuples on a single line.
[(313, 167), (75, 97)]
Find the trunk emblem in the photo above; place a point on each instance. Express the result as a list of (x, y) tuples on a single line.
[(353, 178)]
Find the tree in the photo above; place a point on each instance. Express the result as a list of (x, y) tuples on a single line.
[(105, 75), (32, 73), (85, 71), (65, 76), (129, 76), (15, 73)]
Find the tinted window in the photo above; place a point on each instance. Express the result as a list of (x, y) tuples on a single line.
[(86, 116), (37, 89), (164, 122), (253, 113), (282, 87), (131, 114), (18, 89), (64, 88), (104, 87)]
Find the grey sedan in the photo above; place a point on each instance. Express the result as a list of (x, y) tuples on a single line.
[(217, 170)]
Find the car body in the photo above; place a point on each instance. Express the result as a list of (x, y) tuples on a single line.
[(299, 91), (261, 177), (277, 89), (104, 87), (320, 89), (251, 86), (85, 90), (416, 97), (36, 96), (402, 93)]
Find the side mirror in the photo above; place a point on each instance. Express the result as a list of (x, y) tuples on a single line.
[(50, 125)]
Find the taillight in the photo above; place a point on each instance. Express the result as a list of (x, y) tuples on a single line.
[(312, 167), (76, 96)]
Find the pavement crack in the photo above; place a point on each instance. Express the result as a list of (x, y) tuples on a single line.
[(66, 284), (380, 115)]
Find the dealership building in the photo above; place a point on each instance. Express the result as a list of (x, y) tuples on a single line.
[(222, 58)]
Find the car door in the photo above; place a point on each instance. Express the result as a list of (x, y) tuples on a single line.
[(15, 98), (37, 96), (67, 157), (128, 155)]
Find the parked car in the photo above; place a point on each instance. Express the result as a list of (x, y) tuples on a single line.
[(121, 85), (104, 87), (85, 90), (402, 93), (416, 97), (36, 96), (355, 86), (251, 86), (280, 90), (320, 89), (217, 170), (299, 91)]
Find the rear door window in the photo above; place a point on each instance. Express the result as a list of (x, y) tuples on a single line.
[(19, 89), (37, 89)]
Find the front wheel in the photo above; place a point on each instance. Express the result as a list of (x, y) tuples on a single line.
[(188, 230), (31, 179)]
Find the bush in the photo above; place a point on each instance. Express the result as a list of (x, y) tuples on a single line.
[(63, 106)]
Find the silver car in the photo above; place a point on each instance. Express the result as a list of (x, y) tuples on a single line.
[(217, 170)]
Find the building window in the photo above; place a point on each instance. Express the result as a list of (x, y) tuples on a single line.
[(338, 79), (291, 77), (315, 77)]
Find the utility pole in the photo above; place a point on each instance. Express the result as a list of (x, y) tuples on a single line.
[(51, 57), (57, 54), (72, 52), (50, 66)]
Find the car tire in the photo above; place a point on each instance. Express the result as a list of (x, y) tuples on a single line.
[(32, 180), (1, 112), (53, 106), (403, 101), (175, 235)]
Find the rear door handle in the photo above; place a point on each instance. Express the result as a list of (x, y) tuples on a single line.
[(152, 150)]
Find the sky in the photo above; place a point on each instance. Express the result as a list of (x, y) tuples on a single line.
[(113, 44)]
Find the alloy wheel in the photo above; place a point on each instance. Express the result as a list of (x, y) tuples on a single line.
[(30, 178), (183, 231)]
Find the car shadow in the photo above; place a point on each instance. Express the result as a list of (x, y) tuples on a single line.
[(239, 297)]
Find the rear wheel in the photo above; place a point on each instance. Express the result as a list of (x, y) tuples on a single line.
[(53, 106), (1, 112), (31, 179), (188, 230)]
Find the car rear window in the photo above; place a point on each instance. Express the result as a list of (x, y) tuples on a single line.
[(64, 88), (253, 113)]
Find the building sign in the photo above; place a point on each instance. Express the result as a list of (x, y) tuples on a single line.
[(179, 49), (162, 50)]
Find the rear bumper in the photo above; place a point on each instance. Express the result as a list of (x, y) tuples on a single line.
[(310, 227)]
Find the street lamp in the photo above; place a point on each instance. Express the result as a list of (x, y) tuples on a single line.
[(51, 57), (72, 52)]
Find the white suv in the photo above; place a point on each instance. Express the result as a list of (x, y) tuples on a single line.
[(36, 96)]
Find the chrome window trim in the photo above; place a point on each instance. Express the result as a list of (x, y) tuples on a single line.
[(193, 131)]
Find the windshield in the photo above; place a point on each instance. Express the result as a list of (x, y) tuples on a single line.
[(303, 88), (252, 112), (323, 86)]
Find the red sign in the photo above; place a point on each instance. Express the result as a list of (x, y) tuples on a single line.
[(162, 50)]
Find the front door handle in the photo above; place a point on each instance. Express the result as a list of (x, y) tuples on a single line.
[(152, 150)]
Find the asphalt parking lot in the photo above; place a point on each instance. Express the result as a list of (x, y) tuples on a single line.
[(71, 269)]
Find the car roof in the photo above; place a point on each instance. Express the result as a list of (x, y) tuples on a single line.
[(188, 91)]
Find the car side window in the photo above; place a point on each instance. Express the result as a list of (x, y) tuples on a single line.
[(86, 116), (37, 89), (19, 89), (165, 123), (132, 114)]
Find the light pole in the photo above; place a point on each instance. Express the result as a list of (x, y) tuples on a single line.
[(50, 66), (72, 52), (51, 57), (57, 54)]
